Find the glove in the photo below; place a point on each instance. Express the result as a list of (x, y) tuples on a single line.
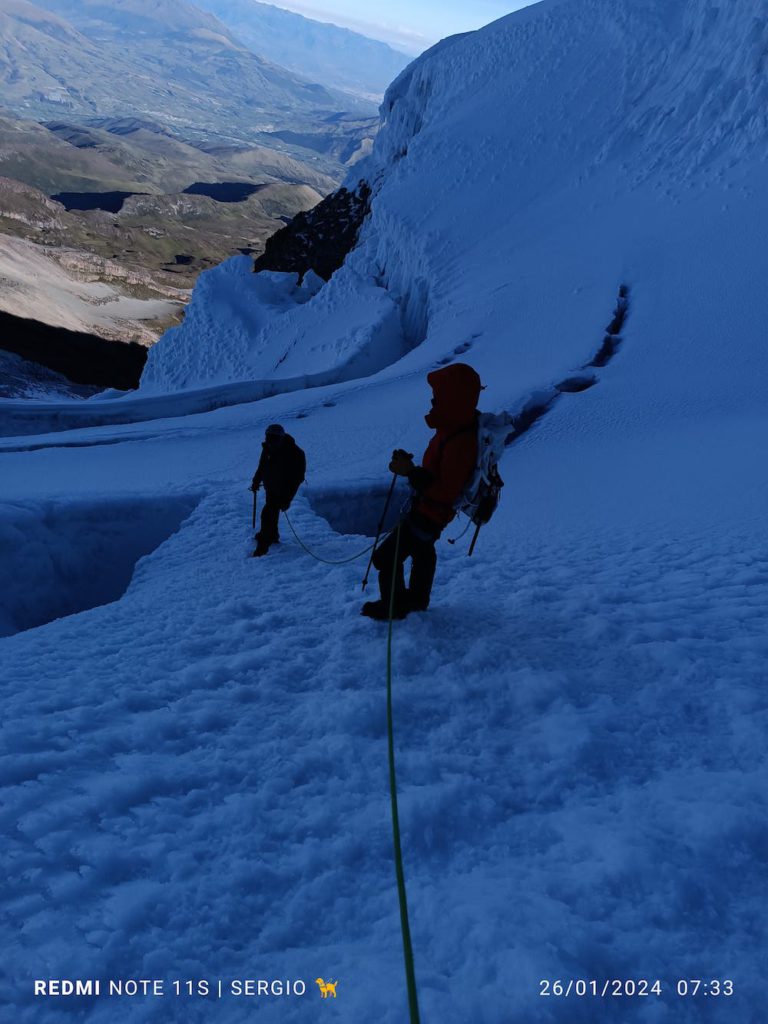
[(254, 486), (402, 462)]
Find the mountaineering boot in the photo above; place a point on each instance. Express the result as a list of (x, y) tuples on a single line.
[(379, 610), (261, 549)]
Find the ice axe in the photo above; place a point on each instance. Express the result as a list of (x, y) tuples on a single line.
[(474, 540), (253, 522), (485, 510)]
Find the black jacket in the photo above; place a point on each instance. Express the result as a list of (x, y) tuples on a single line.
[(281, 470)]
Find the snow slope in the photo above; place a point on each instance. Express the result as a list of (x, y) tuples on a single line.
[(22, 379), (195, 773)]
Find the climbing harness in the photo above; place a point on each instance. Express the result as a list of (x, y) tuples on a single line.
[(410, 973), (325, 561)]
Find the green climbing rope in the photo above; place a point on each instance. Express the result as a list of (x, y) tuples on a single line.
[(410, 973), (325, 561)]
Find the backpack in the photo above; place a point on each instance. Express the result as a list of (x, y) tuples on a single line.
[(482, 493)]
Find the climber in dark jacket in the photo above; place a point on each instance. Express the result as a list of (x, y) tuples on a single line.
[(281, 470), (438, 483)]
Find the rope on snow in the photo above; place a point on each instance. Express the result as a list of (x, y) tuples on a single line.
[(326, 561)]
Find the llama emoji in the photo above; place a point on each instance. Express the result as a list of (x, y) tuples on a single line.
[(327, 988)]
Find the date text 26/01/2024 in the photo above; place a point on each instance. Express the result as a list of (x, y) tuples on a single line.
[(616, 987)]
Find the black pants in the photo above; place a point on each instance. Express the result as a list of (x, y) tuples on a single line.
[(417, 542), (270, 514)]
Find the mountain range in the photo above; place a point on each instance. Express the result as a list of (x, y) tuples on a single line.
[(173, 62), (326, 53)]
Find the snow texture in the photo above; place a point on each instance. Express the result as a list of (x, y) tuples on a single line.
[(65, 559), (20, 378), (195, 774)]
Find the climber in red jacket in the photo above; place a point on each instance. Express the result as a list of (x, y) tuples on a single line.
[(438, 483)]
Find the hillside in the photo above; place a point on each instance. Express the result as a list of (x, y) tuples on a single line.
[(571, 201), (175, 63), (323, 52), (195, 110), (131, 155), (65, 287), (154, 246), (125, 275)]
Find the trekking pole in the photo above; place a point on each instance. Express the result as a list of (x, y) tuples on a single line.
[(253, 523), (379, 531)]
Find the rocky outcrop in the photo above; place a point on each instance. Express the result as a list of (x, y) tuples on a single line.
[(321, 238), (86, 266), (29, 206)]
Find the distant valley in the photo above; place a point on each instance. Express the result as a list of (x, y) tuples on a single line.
[(113, 200), (140, 211)]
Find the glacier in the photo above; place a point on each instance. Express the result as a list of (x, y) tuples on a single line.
[(195, 771)]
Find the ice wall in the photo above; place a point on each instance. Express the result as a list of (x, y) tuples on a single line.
[(513, 182)]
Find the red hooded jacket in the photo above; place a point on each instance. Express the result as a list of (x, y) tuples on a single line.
[(451, 455)]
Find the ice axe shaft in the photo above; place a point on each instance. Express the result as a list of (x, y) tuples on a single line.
[(474, 541), (253, 522), (381, 527)]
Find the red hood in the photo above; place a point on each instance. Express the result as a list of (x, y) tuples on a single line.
[(456, 390)]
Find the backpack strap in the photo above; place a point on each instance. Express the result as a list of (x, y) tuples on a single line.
[(467, 429), (457, 433)]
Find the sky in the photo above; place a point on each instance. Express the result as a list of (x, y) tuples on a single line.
[(410, 25)]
